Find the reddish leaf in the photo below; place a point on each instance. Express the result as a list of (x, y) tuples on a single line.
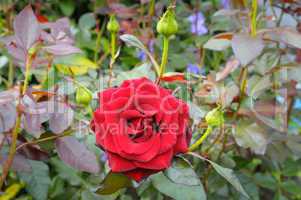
[(231, 65), (76, 154), (173, 76), (246, 48), (42, 19), (62, 49), (26, 27), (61, 116), (20, 163), (227, 36), (123, 11)]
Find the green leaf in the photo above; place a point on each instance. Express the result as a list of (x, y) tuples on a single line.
[(113, 182), (37, 181), (217, 44), (67, 173), (88, 195), (228, 174), (265, 180), (74, 64), (51, 79), (291, 167), (291, 187), (179, 182), (87, 21), (57, 187), (135, 42), (251, 136), (67, 7)]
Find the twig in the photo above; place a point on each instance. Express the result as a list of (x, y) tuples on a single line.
[(66, 133), (12, 149)]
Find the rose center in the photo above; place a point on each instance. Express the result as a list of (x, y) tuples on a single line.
[(141, 129)]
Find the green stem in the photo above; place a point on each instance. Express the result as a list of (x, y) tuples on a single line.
[(11, 72), (200, 141), (89, 110), (151, 10), (27, 73), (66, 133), (98, 39), (12, 152), (253, 20), (164, 56), (113, 45)]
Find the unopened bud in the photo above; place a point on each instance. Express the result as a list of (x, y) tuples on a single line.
[(83, 96), (113, 25), (168, 25)]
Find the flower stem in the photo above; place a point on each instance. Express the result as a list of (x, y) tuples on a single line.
[(200, 141), (151, 9), (164, 56), (97, 44), (27, 73), (11, 72), (66, 133), (113, 47), (253, 18), (12, 149)]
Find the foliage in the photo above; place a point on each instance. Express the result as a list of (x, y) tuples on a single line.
[(236, 64)]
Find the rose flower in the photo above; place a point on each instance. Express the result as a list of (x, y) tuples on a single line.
[(141, 126)]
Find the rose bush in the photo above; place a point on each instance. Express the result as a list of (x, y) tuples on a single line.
[(141, 126)]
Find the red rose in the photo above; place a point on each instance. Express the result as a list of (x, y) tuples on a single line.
[(141, 126)]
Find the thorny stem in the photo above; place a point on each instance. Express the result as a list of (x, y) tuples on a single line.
[(200, 141), (12, 149)]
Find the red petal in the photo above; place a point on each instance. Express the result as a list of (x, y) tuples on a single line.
[(160, 162), (119, 164)]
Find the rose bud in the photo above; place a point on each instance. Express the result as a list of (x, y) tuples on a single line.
[(113, 25), (83, 96), (215, 117), (141, 127), (167, 25)]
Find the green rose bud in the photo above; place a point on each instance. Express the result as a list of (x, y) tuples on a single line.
[(215, 117), (83, 96), (168, 25), (113, 25)]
